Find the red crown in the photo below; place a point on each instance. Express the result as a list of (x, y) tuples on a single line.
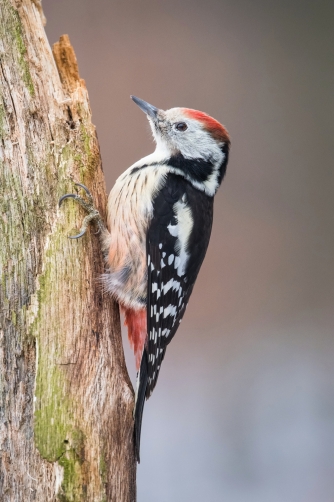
[(217, 131)]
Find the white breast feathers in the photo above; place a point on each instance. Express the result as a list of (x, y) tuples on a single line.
[(130, 209)]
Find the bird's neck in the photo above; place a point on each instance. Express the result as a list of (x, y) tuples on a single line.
[(205, 174)]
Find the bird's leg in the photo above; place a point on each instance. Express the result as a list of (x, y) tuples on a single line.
[(93, 214)]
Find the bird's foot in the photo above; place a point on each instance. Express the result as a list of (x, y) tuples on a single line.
[(88, 205)]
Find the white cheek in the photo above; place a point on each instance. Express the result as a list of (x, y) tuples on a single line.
[(195, 142)]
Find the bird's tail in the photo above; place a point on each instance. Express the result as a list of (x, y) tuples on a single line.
[(142, 380)]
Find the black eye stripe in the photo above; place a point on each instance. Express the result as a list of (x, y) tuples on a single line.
[(181, 126)]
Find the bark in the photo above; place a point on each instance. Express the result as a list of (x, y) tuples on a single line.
[(66, 401)]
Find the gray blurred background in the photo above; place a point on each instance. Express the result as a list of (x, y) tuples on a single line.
[(244, 407)]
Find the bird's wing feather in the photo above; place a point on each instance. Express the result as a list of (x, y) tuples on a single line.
[(177, 241)]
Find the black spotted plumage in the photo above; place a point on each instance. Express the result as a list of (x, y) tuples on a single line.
[(168, 292)]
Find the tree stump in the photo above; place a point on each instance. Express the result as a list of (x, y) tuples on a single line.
[(66, 401)]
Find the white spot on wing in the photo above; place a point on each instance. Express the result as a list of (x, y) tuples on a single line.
[(154, 287), (182, 231), (170, 310), (171, 284), (173, 230)]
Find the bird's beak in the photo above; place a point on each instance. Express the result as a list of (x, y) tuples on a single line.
[(150, 110)]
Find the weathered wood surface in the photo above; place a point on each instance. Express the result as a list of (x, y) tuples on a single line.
[(65, 397)]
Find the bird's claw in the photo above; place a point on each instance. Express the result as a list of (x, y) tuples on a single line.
[(79, 199), (93, 213)]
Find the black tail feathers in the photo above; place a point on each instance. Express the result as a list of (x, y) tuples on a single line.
[(140, 401)]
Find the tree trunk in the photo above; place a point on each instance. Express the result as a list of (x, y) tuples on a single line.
[(66, 401)]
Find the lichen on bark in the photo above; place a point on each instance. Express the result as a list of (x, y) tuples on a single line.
[(11, 28), (65, 397)]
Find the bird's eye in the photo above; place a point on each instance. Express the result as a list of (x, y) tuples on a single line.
[(181, 126)]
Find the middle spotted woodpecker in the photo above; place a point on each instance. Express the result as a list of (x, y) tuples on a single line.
[(159, 224)]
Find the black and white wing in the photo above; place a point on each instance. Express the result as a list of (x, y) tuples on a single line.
[(177, 240)]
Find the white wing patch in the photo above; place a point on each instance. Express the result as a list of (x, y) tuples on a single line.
[(181, 231), (170, 310), (171, 284)]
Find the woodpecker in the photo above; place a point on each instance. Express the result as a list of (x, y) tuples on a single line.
[(160, 215)]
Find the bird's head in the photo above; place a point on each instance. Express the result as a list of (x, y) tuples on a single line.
[(190, 140)]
